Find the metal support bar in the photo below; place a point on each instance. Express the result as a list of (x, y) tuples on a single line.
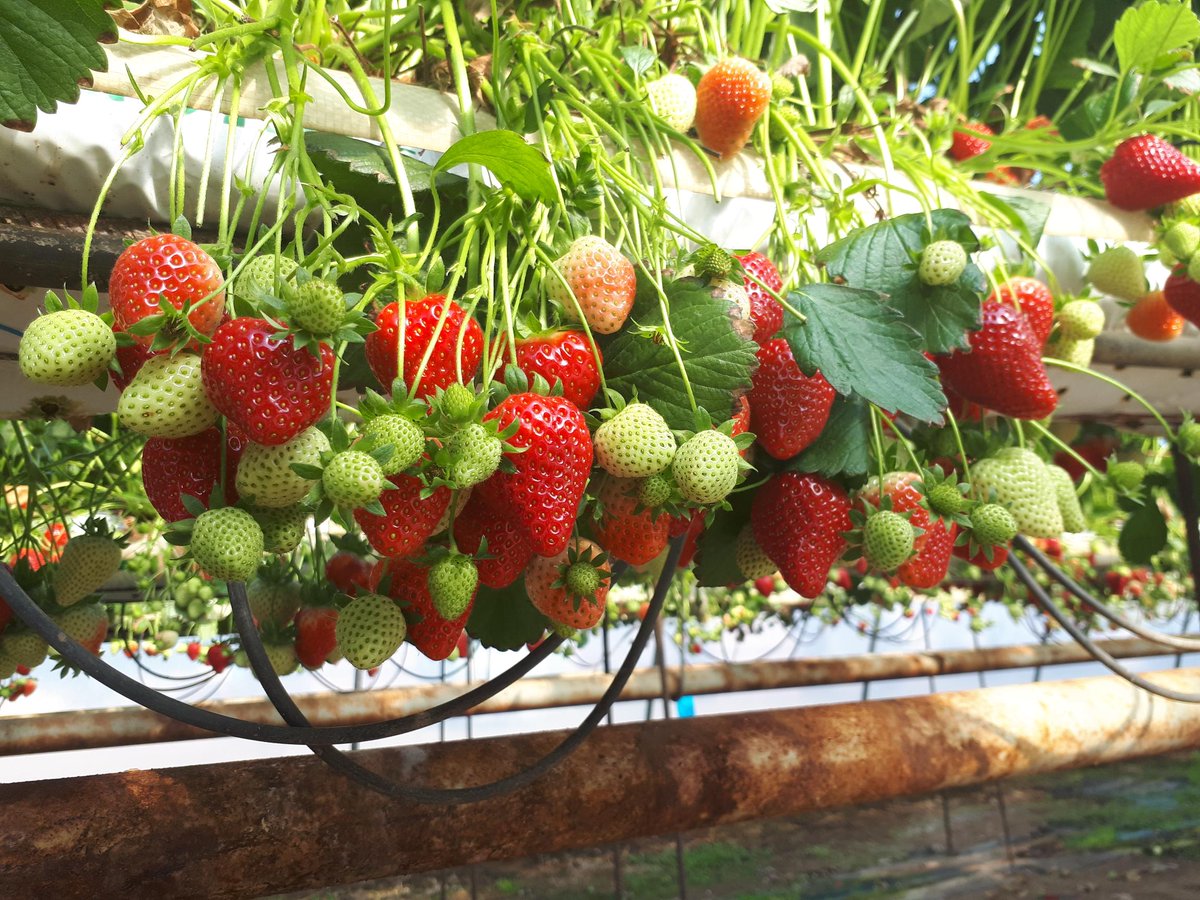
[(269, 826), (123, 726)]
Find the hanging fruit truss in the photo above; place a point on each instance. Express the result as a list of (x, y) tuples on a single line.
[(488, 310)]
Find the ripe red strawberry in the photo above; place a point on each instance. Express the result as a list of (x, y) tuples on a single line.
[(193, 650), (408, 520), (553, 462), (1184, 295), (507, 541), (165, 265), (407, 582), (131, 358), (627, 534), (966, 141), (741, 416), (191, 465), (218, 658), (459, 336), (1154, 319), (603, 284), (1145, 171), (765, 310), (929, 565), (693, 523), (999, 556), (788, 409), (730, 99), (348, 572), (1033, 298), (571, 587), (799, 521), (268, 387), (904, 497), (1004, 369), (316, 635), (561, 356)]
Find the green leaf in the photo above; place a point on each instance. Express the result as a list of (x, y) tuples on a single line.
[(505, 619), (716, 562), (1146, 35), (1116, 102), (1027, 214), (843, 445), (48, 48), (1143, 535), (881, 258), (638, 58), (863, 347), (517, 165), (717, 358)]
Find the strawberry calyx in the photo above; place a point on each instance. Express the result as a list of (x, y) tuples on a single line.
[(352, 328), (582, 574)]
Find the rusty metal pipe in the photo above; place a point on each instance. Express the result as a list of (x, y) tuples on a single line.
[(267, 826), (124, 726)]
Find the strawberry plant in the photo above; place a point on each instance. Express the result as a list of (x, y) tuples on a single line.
[(488, 394)]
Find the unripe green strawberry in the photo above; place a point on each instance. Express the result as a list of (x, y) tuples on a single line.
[(654, 491), (785, 114), (1022, 484), (942, 263), (1118, 272), (258, 277), (475, 454), (1183, 240), (67, 348), (1077, 353), (273, 601), (87, 562), (992, 524), (452, 581), (402, 433), (752, 561), (265, 476), (1068, 500), (781, 86), (706, 467), (369, 630), (1080, 320), (283, 529), (227, 544), (945, 499), (1126, 476), (635, 443), (1189, 439), (887, 540), (8, 665), (457, 402), (166, 398), (710, 261), (673, 99), (582, 579), (86, 624), (317, 305), (353, 479), (26, 648), (282, 658)]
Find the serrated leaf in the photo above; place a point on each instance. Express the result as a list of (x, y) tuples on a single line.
[(716, 562), (863, 347), (1146, 34), (48, 48), (1028, 215), (843, 447), (880, 258), (505, 619), (1143, 535), (517, 165), (718, 359)]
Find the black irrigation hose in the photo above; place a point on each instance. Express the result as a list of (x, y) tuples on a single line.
[(1183, 644), (78, 656), (1042, 598), (341, 763)]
